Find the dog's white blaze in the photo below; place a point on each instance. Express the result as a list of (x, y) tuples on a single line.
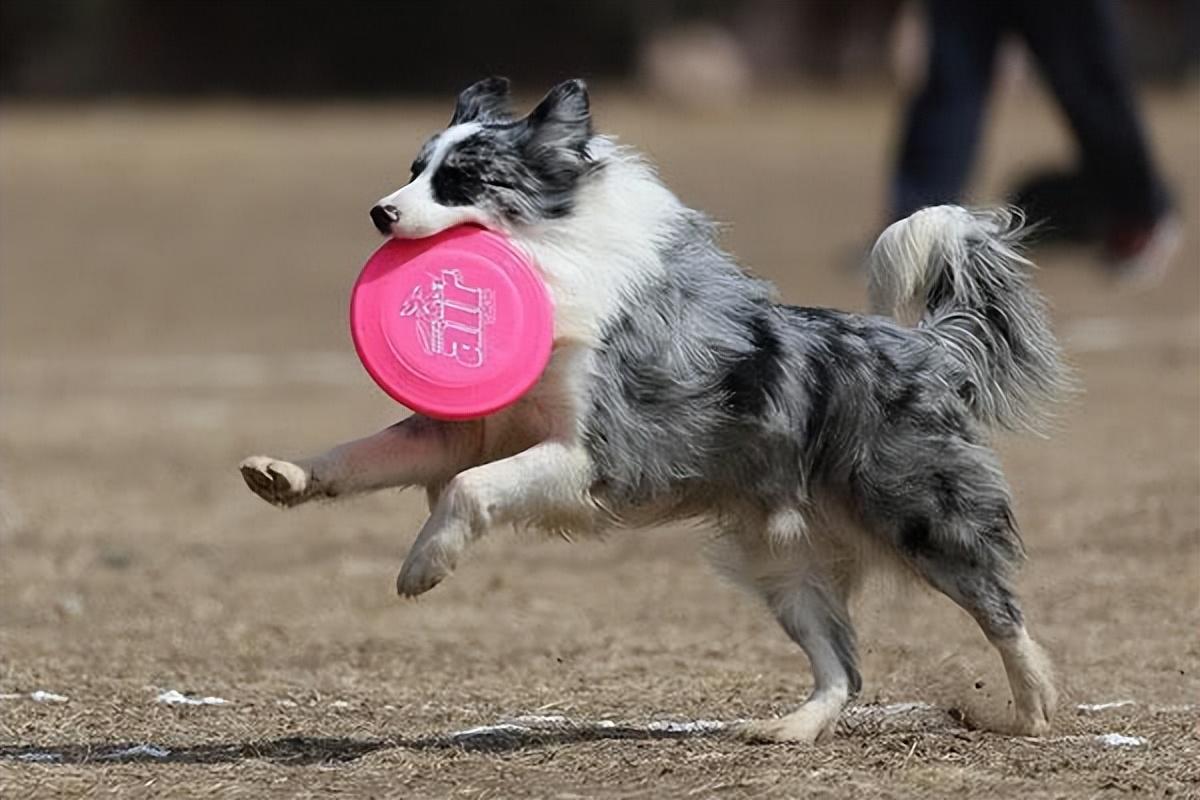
[(420, 214)]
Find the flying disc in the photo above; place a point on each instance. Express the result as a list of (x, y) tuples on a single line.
[(456, 326)]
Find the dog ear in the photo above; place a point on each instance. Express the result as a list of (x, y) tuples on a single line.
[(486, 99), (563, 119)]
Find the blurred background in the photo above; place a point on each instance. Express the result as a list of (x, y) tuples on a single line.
[(306, 49), (184, 189)]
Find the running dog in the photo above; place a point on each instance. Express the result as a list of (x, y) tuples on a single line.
[(818, 443)]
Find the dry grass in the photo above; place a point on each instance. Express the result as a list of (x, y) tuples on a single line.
[(173, 285)]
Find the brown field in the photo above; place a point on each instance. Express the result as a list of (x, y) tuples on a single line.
[(173, 285)]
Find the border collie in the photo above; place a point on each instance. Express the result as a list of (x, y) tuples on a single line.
[(817, 442)]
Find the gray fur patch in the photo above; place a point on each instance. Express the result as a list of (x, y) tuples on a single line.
[(707, 395)]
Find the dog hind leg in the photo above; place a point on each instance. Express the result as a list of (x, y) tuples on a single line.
[(808, 596), (946, 511), (985, 594)]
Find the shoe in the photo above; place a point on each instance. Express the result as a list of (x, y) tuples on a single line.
[(1141, 254)]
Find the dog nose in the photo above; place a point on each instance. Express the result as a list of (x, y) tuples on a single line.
[(383, 217)]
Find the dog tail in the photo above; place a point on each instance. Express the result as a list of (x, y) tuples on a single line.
[(960, 276)]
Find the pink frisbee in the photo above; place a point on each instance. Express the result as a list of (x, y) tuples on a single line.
[(455, 326)]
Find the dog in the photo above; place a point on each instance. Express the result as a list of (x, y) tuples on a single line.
[(818, 443)]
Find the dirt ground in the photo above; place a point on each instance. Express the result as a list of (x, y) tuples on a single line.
[(173, 286)]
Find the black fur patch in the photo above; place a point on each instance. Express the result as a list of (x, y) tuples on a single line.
[(752, 379), (820, 394), (946, 490), (900, 401), (456, 186), (487, 99), (916, 538)]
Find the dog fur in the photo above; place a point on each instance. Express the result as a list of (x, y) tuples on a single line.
[(817, 442)]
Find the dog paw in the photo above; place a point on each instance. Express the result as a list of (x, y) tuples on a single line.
[(280, 483), (1031, 726), (1032, 717), (1032, 681), (424, 569), (809, 724), (777, 731)]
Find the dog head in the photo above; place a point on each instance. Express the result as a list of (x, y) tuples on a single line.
[(494, 170)]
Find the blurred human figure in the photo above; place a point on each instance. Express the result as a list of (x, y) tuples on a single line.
[(1075, 46), (695, 65)]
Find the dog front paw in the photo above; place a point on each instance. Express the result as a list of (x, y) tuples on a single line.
[(424, 569), (280, 483)]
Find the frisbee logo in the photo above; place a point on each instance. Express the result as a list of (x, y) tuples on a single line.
[(455, 326), (451, 318)]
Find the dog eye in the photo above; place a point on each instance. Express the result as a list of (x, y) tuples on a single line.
[(417, 168)]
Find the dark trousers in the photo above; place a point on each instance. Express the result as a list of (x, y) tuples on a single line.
[(1076, 47)]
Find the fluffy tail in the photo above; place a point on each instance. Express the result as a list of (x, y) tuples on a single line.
[(959, 275)]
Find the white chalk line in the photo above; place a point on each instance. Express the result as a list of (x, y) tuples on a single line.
[(1120, 740), (530, 725), (854, 718), (38, 696), (1093, 707), (535, 724), (139, 750), (174, 698), (1106, 739)]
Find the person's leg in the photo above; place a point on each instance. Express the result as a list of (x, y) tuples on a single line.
[(942, 121), (1077, 46)]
